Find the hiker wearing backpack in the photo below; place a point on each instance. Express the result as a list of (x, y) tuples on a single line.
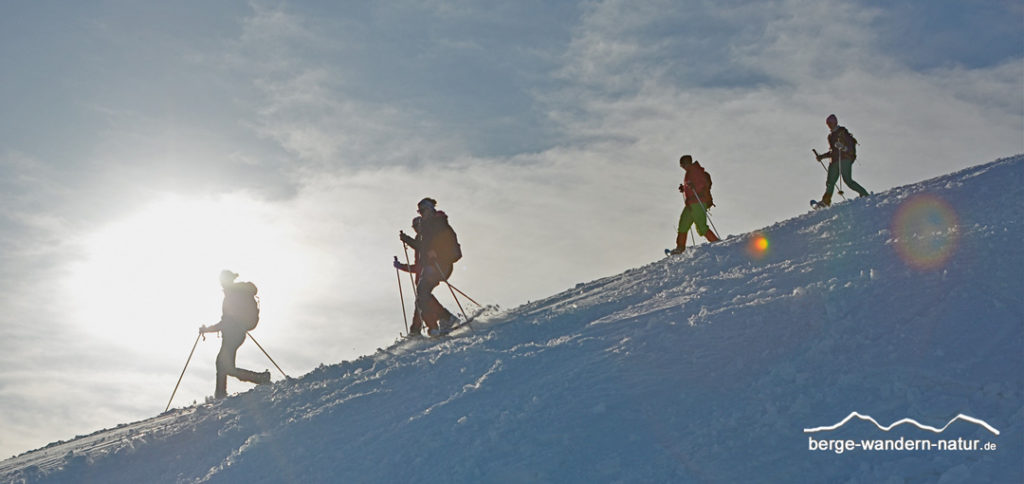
[(696, 187), (240, 313), (843, 151), (437, 250)]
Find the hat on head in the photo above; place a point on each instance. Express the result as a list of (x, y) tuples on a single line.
[(227, 277), (427, 203), (685, 159)]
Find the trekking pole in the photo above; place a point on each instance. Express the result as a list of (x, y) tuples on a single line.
[(405, 317), (816, 155), (183, 371), (412, 282), (463, 294), (693, 236), (706, 213), (268, 355), (439, 271)]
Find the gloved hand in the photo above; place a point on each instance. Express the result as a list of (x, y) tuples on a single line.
[(682, 188), (398, 265), (202, 329)]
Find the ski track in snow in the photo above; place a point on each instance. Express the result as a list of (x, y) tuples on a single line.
[(706, 367)]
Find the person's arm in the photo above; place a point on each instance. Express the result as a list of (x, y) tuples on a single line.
[(407, 240), (403, 267), (827, 154)]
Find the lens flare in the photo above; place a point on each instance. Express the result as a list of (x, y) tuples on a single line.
[(757, 246), (926, 231)]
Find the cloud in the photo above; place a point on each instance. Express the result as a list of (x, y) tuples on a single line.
[(642, 95)]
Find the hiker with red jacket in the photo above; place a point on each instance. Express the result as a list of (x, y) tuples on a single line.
[(437, 250), (696, 187), (240, 313), (843, 151)]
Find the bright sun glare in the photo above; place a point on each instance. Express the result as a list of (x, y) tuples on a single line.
[(154, 274)]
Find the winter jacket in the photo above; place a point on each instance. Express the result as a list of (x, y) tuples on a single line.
[(438, 236), (240, 312), (697, 183), (840, 141)]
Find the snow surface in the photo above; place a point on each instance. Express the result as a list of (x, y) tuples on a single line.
[(701, 368)]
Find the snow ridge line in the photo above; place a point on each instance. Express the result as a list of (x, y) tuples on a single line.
[(961, 416)]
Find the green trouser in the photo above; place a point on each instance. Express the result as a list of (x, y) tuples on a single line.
[(694, 213), (847, 170)]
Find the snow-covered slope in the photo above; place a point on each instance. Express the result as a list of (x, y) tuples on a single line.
[(702, 368)]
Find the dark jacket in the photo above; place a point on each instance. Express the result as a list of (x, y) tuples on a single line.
[(240, 312), (841, 142), (437, 236)]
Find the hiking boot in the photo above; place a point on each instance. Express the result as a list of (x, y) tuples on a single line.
[(263, 378), (445, 325), (677, 250), (680, 242), (433, 333)]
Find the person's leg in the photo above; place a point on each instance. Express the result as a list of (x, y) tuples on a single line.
[(417, 318), (428, 306), (252, 376), (417, 323), (830, 183), (685, 221), (237, 338), (230, 341), (848, 178), (700, 218)]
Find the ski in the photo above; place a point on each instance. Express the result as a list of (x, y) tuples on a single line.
[(461, 324), (448, 334)]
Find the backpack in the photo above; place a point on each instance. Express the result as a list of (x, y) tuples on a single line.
[(242, 305), (703, 190), (447, 246), (706, 196), (849, 144)]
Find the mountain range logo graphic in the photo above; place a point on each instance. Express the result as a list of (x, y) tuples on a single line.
[(852, 415)]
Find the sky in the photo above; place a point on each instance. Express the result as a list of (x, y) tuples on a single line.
[(146, 146)]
